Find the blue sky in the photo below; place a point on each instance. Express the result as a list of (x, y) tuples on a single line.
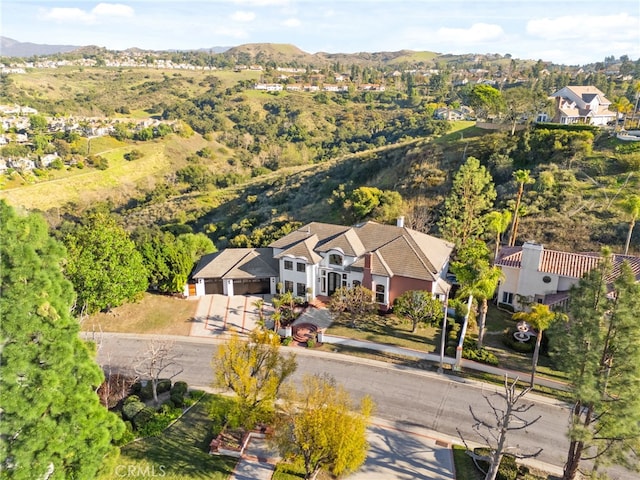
[(563, 31)]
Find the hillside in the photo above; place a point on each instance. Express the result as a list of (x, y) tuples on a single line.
[(258, 161)]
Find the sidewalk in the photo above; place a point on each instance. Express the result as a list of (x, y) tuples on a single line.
[(257, 462), (431, 357), (395, 451)]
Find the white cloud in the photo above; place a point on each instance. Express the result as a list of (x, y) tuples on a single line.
[(241, 16), (60, 14), (478, 32), (113, 10), (77, 15), (291, 22)]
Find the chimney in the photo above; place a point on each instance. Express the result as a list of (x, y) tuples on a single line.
[(400, 222), (531, 256), (367, 278)]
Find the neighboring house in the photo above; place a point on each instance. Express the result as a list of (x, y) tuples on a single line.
[(577, 104), (533, 274), (319, 258), (462, 113)]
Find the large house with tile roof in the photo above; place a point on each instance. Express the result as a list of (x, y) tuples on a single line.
[(319, 258), (582, 104), (533, 274)]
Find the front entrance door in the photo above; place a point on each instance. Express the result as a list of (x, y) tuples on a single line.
[(334, 283)]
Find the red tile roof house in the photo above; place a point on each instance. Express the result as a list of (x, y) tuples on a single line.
[(319, 258), (535, 274)]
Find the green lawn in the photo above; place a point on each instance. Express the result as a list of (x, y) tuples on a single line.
[(181, 453), (390, 330), (466, 469)]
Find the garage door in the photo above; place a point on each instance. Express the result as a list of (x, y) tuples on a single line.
[(252, 287), (212, 286)]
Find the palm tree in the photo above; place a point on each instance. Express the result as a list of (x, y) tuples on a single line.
[(621, 105), (540, 317), (483, 287), (631, 206), (259, 304), (498, 222), (523, 177), (522, 211)]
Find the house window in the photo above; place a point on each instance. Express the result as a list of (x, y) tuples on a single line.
[(288, 286), (344, 279), (507, 297), (288, 265), (380, 293), (323, 281), (301, 267), (335, 259), (301, 289)]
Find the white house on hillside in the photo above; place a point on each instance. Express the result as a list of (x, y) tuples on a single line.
[(319, 258), (533, 274), (582, 104)]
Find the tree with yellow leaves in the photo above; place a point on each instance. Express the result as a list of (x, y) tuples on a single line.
[(254, 370), (320, 427)]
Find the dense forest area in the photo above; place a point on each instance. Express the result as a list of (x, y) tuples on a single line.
[(244, 167)]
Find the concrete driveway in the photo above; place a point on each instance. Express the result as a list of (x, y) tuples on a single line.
[(220, 314), (403, 453)]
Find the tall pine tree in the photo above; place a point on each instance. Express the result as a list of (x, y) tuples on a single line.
[(598, 347), (466, 208), (52, 424)]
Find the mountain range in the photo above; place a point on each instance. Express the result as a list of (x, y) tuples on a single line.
[(14, 48)]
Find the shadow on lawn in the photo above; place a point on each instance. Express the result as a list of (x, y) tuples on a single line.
[(183, 449)]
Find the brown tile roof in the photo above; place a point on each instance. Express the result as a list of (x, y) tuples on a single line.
[(238, 263), (397, 250), (303, 249), (566, 264), (324, 231), (347, 241)]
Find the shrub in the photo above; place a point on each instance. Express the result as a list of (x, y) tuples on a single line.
[(135, 389), (133, 155), (512, 343), (130, 399), (480, 355), (143, 417), (287, 341), (508, 470), (145, 392), (131, 409), (177, 399), (311, 343), (164, 385), (179, 388)]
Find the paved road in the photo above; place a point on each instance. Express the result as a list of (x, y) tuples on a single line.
[(405, 396), (408, 399)]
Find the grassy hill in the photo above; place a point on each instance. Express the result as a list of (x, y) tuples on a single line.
[(267, 159)]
